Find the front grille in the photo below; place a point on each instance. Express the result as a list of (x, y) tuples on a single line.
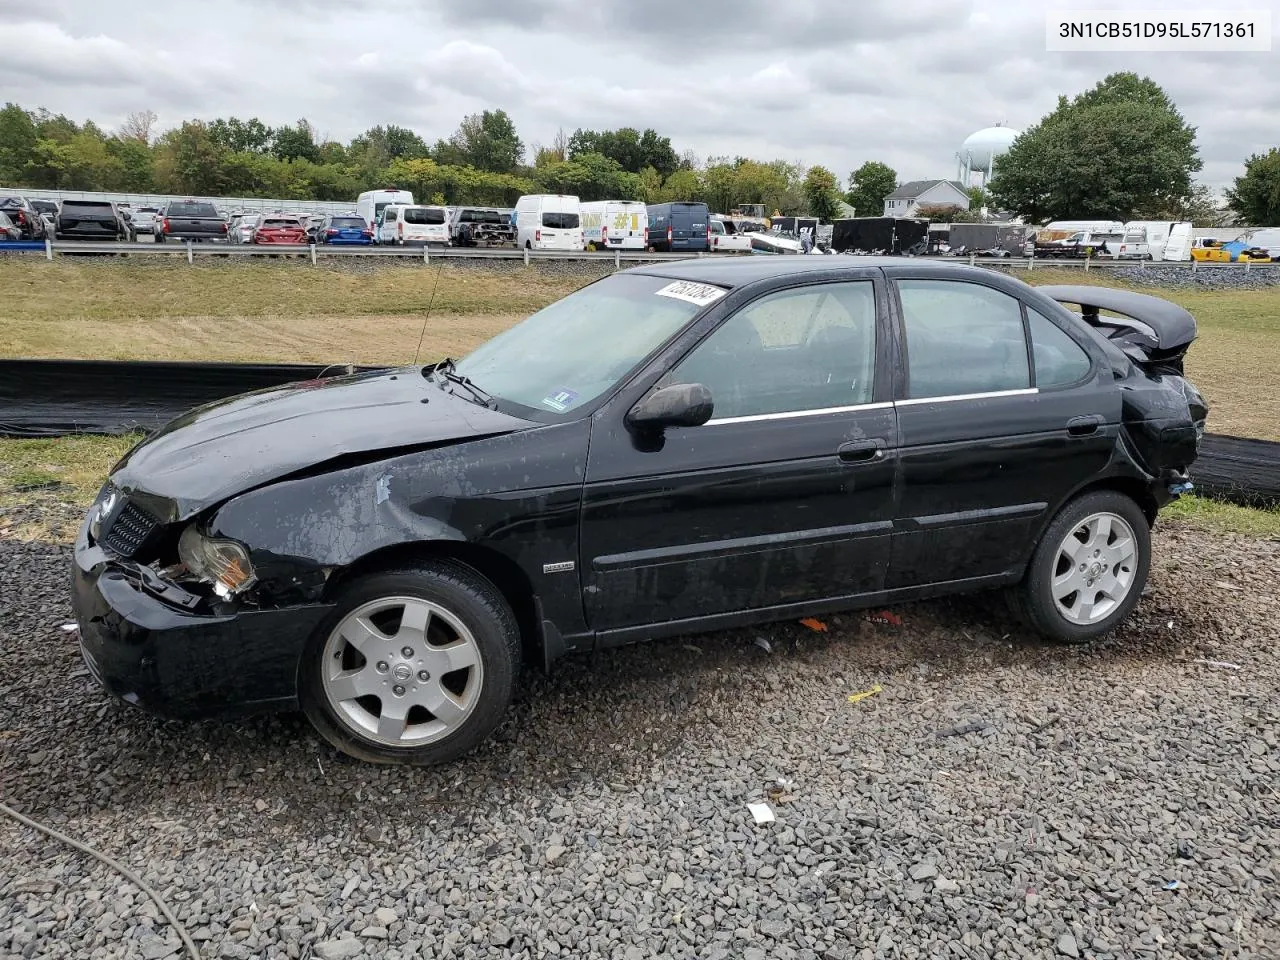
[(130, 529)]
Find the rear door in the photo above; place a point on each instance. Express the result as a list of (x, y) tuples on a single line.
[(689, 226), (785, 497), (1002, 413)]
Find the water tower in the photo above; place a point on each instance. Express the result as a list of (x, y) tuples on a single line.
[(979, 151)]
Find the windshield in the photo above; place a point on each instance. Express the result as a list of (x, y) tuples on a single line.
[(280, 222), (424, 215), (568, 354), (85, 206), (356, 222), (560, 221)]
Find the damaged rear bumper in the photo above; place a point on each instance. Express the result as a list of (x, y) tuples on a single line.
[(183, 662)]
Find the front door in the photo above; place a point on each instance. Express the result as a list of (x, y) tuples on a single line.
[(994, 435), (784, 497)]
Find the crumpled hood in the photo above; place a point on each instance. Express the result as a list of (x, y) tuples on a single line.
[(224, 448)]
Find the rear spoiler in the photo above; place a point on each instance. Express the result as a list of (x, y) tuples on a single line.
[(1147, 328)]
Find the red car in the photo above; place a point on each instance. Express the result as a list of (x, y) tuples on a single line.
[(280, 230)]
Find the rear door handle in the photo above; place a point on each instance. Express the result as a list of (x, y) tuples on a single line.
[(860, 451), (1084, 426)]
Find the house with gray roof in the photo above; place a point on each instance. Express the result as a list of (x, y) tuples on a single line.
[(910, 197)]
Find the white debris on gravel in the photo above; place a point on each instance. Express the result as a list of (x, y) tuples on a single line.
[(1121, 803)]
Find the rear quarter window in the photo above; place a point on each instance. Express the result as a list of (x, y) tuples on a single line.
[(1059, 359)]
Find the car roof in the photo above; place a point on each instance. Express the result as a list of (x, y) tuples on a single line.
[(738, 271)]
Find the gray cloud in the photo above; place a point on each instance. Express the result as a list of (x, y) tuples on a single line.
[(807, 81)]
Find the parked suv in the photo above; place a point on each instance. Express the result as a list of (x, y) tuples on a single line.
[(92, 220), (28, 220), (686, 446)]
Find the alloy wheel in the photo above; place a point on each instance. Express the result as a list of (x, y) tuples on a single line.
[(402, 671), (1095, 568)]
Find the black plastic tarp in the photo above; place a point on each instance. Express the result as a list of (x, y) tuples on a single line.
[(1238, 470), (891, 235), (49, 398)]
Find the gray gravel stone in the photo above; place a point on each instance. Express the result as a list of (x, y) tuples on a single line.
[(339, 949), (1067, 945), (635, 766)]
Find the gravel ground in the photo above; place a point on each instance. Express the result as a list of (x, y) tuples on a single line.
[(996, 798), (1208, 278)]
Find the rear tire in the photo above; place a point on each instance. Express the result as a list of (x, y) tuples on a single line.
[(385, 690), (1089, 569)]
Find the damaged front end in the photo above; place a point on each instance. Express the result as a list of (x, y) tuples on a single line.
[(175, 621), (1163, 413)]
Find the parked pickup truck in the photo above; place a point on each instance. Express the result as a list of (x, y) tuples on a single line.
[(189, 220), (1084, 243), (91, 220)]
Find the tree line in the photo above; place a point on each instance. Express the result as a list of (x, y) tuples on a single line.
[(1119, 151), (483, 161)]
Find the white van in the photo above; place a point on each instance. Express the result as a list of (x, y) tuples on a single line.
[(371, 203), (615, 225), (1166, 239), (417, 224), (549, 221)]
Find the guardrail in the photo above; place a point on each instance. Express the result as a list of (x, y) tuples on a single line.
[(192, 250), (316, 252)]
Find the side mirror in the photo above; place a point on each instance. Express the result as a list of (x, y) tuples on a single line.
[(678, 405)]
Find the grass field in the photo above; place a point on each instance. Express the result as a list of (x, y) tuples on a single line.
[(104, 309), (288, 311)]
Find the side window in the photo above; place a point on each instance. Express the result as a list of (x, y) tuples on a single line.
[(391, 216), (811, 348), (962, 338), (1059, 359)]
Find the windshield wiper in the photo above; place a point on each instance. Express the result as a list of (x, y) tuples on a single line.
[(445, 369)]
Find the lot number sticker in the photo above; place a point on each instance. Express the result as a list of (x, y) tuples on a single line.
[(699, 293)]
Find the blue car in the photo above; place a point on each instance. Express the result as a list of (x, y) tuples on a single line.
[(347, 229)]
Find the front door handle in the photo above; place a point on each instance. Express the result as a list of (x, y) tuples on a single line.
[(1084, 426), (860, 451)]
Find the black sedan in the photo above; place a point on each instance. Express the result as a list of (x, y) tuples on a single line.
[(686, 446), (31, 225)]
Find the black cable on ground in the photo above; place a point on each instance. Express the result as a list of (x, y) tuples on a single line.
[(114, 865)]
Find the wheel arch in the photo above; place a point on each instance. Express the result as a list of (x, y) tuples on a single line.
[(500, 570)]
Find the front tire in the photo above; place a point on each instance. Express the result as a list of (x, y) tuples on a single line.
[(414, 665), (1088, 570)]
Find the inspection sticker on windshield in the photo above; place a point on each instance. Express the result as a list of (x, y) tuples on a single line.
[(561, 400), (699, 293)]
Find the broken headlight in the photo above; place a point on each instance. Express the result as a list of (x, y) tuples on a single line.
[(223, 563)]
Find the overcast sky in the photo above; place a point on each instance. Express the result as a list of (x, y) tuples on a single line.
[(835, 83)]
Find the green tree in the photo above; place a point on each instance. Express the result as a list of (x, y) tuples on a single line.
[(189, 160), (384, 144), (822, 192), (946, 213), (1255, 195), (486, 141), (296, 143), (631, 149), (136, 164), (1119, 151), (18, 138), (681, 185), (869, 185), (242, 136), (978, 198)]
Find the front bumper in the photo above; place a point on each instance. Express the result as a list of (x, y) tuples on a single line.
[(178, 662)]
